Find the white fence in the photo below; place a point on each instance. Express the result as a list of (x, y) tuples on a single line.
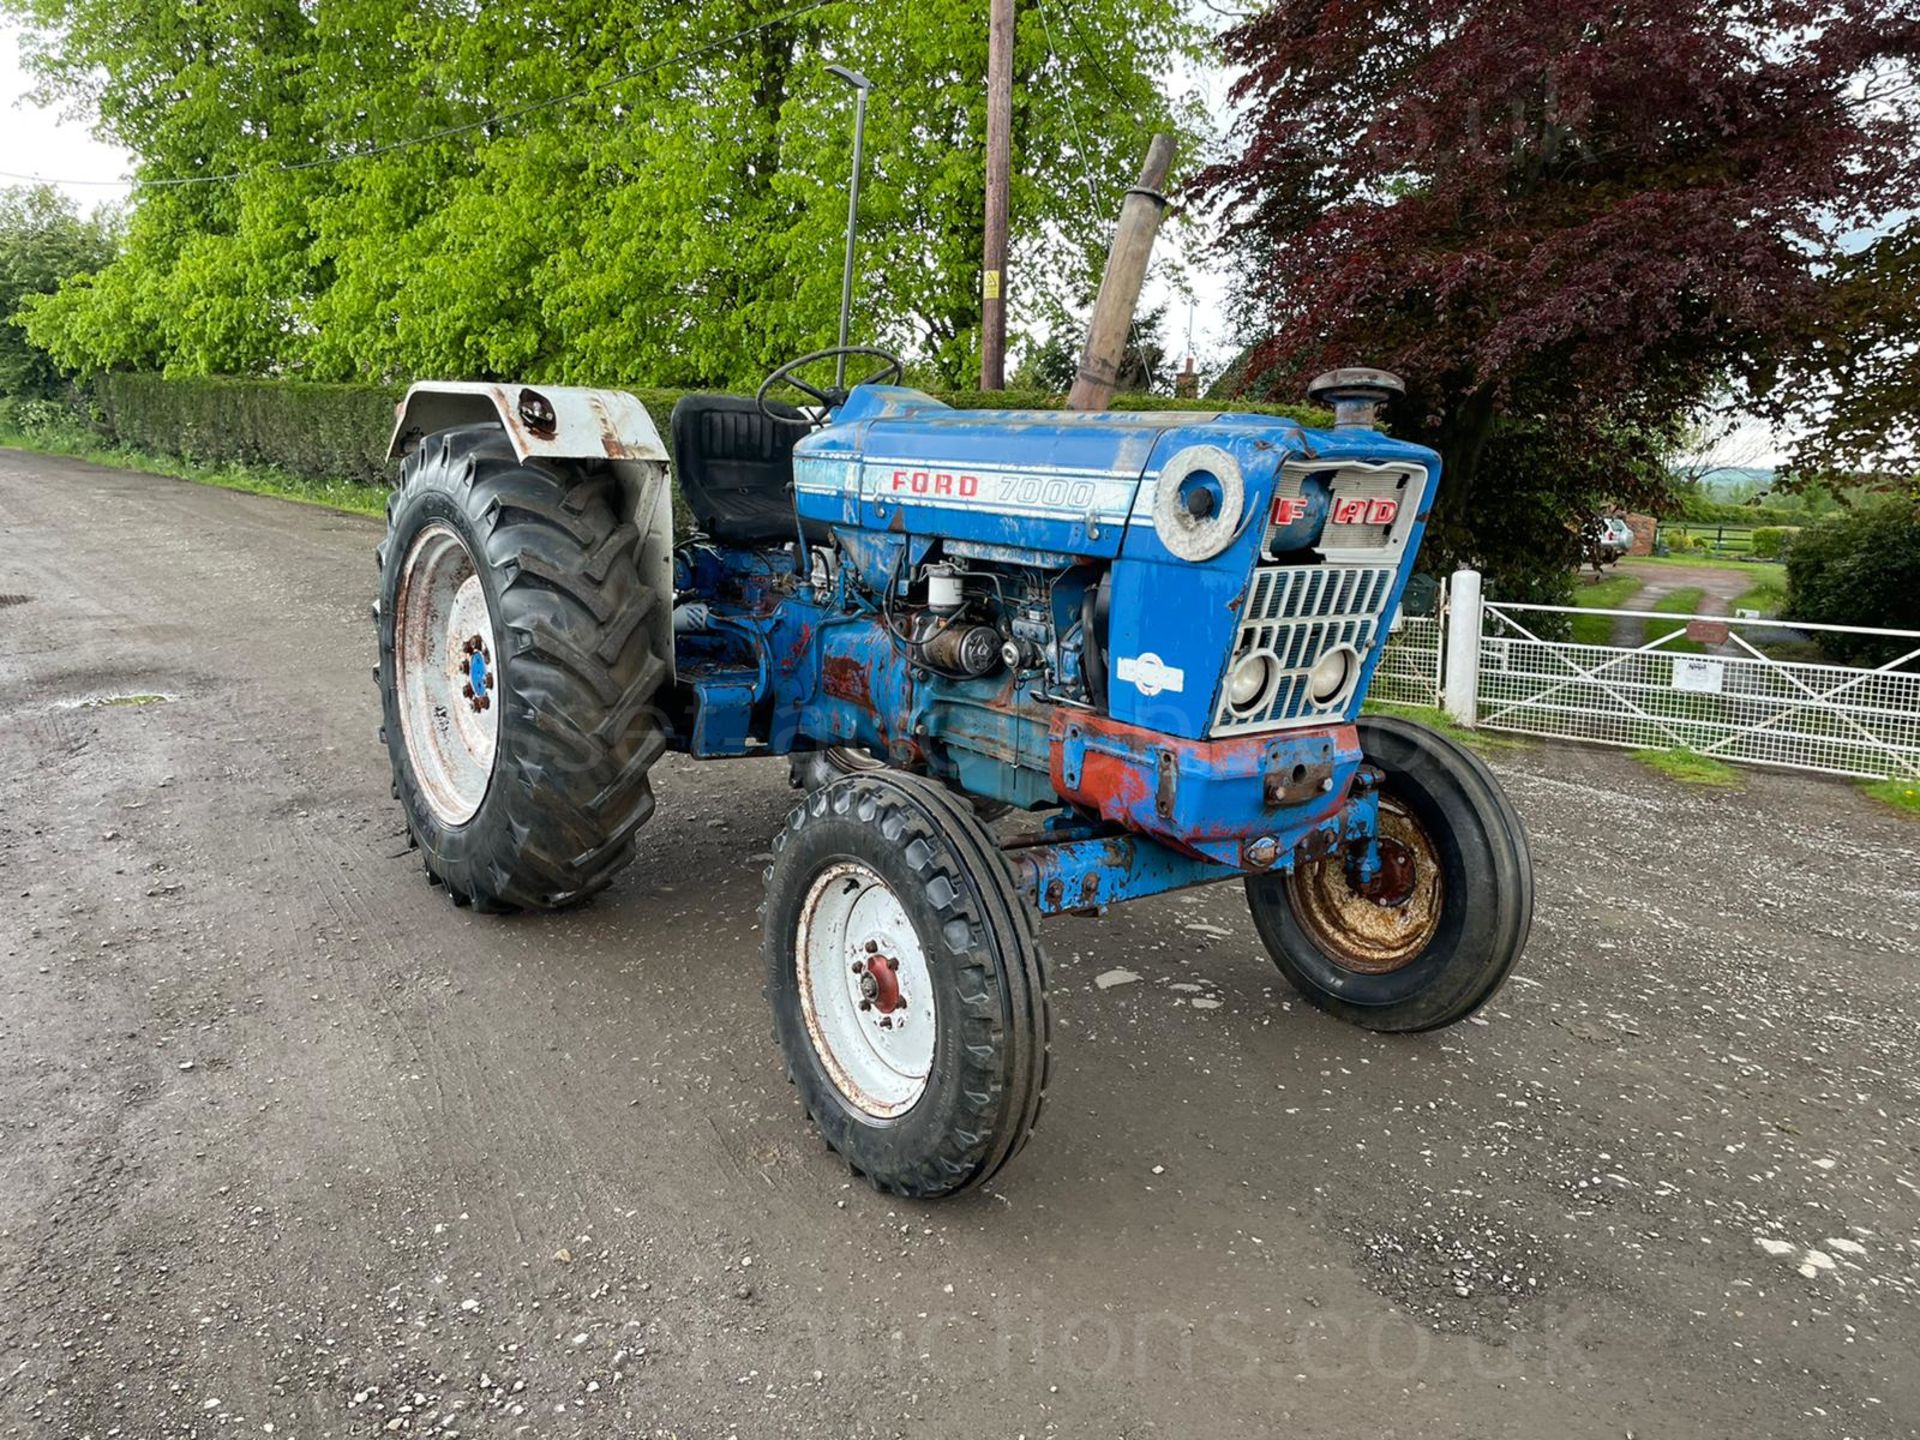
[(1706, 686)]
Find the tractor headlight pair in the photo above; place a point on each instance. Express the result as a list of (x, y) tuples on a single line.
[(1252, 677)]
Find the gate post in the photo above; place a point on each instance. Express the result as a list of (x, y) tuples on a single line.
[(1460, 694)]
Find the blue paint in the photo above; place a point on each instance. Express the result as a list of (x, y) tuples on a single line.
[(477, 674), (1033, 509)]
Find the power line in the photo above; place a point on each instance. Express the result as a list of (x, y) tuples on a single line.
[(499, 117)]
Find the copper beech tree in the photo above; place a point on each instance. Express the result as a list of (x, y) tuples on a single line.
[(1565, 222)]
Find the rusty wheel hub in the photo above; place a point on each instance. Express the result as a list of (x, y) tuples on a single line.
[(1385, 924)]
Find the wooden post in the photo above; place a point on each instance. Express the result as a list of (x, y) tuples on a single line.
[(1120, 287), (993, 279)]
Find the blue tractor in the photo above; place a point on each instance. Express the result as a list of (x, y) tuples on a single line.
[(1021, 663)]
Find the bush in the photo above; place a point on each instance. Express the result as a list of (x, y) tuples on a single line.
[(340, 432), (320, 432), (40, 422), (1859, 568), (1770, 542)]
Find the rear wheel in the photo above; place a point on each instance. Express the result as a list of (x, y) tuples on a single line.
[(1434, 935), (906, 982), (516, 671)]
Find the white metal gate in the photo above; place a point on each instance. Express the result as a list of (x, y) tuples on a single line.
[(1706, 686), (1409, 669)]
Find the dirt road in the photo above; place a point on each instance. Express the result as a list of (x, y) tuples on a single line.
[(292, 1147)]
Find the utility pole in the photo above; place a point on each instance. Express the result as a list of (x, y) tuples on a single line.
[(993, 280), (1120, 286)]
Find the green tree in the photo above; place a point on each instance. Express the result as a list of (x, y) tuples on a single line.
[(1568, 220), (1858, 382), (678, 226), (44, 242)]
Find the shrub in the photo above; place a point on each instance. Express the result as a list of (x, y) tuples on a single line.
[(320, 432), (340, 432), (1859, 568), (1770, 542), (38, 421)]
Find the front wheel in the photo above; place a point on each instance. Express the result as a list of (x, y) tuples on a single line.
[(905, 976), (1434, 935)]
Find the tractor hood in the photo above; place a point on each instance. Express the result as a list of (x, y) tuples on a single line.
[(1061, 482)]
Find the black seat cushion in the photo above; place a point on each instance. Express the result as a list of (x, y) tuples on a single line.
[(736, 468)]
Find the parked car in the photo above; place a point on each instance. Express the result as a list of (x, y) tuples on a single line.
[(1608, 537)]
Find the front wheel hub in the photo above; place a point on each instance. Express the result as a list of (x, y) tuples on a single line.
[(1382, 925), (865, 991)]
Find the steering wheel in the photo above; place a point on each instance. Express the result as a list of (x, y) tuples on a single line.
[(887, 372)]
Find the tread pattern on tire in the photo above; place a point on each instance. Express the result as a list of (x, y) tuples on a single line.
[(964, 880), (1381, 738), (579, 671)]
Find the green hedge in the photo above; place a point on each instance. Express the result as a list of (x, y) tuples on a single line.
[(1861, 567), (340, 432)]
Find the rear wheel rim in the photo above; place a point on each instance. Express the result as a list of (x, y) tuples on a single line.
[(1379, 928), (445, 674), (866, 993)]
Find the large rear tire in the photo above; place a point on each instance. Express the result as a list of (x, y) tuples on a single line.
[(907, 983), (1434, 937), (517, 671)]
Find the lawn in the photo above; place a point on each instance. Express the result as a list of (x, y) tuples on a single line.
[(1680, 602), (1767, 594), (1705, 562), (1609, 594)]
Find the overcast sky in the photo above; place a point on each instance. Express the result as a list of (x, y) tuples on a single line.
[(45, 144)]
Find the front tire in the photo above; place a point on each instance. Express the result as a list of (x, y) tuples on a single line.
[(1437, 933), (517, 672), (906, 981)]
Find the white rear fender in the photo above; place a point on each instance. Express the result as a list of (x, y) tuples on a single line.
[(560, 422), (566, 422)]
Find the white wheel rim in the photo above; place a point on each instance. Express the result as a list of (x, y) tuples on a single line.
[(445, 674), (865, 990)]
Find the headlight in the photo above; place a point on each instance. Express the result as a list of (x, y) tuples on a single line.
[(1249, 678), (1333, 675)]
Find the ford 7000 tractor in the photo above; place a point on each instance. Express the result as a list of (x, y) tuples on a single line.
[(1148, 634)]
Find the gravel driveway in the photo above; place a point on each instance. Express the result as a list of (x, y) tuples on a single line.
[(292, 1147)]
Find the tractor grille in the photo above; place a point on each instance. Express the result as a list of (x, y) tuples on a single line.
[(1296, 614), (1380, 499)]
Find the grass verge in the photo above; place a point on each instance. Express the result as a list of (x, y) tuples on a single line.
[(1689, 768), (1900, 794), (253, 479), (1680, 602), (1608, 594), (1767, 595), (1438, 720)]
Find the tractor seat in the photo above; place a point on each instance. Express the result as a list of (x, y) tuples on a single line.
[(736, 468)]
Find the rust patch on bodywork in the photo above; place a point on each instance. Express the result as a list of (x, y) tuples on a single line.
[(845, 678)]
